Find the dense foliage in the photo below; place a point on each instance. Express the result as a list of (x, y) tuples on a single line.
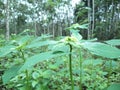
[(69, 63), (39, 16), (103, 17)]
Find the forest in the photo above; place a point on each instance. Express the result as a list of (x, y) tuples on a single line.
[(59, 44)]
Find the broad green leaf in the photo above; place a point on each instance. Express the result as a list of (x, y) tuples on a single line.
[(47, 73), (93, 62), (115, 86), (41, 38), (38, 58), (114, 42), (6, 50), (101, 49), (60, 48), (111, 63), (24, 87), (23, 39), (40, 43), (91, 40), (76, 26), (75, 33), (84, 26), (10, 73)]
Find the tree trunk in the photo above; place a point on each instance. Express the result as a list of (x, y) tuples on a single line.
[(93, 20), (53, 29), (7, 21), (89, 23), (60, 28), (48, 28), (35, 27)]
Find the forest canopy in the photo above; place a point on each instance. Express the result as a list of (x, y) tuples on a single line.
[(54, 16)]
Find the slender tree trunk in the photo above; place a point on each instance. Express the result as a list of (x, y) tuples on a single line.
[(89, 23), (35, 27), (7, 21), (44, 32), (53, 29), (48, 28), (60, 28), (15, 27), (93, 18)]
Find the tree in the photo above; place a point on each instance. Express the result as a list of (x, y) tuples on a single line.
[(7, 20), (101, 16), (39, 16)]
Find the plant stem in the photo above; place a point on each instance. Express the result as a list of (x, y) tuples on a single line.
[(70, 67), (80, 70), (23, 57), (26, 72), (27, 79), (110, 71)]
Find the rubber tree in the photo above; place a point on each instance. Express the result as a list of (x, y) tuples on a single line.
[(100, 16), (7, 19)]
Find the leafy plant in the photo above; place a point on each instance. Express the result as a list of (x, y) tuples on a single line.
[(44, 61)]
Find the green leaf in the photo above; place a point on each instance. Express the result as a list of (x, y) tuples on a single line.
[(84, 26), (34, 83), (45, 36), (101, 49), (75, 33), (35, 75), (114, 42), (6, 50), (53, 67), (91, 40), (115, 86), (38, 58), (60, 48), (93, 62), (40, 43), (23, 39), (112, 63), (47, 73), (76, 26), (10, 73), (56, 52)]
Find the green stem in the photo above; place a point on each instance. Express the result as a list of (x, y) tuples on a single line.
[(26, 72), (110, 71), (81, 70), (23, 57), (27, 79), (91, 73), (70, 67)]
